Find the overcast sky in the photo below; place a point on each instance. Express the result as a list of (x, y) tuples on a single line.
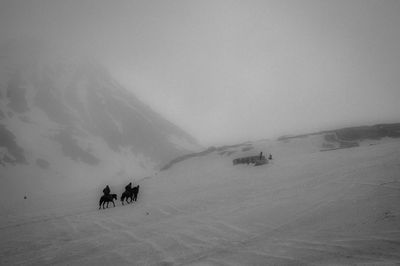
[(230, 71)]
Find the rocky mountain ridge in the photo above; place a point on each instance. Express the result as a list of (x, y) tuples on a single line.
[(59, 112)]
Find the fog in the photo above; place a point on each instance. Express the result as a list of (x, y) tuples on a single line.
[(232, 71)]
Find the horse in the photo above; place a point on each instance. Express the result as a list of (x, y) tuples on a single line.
[(130, 194), (127, 195), (135, 192), (107, 198)]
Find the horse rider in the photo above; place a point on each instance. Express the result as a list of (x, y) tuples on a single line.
[(106, 190), (128, 187)]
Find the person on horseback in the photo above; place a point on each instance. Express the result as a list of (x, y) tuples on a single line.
[(128, 194), (106, 190), (128, 187)]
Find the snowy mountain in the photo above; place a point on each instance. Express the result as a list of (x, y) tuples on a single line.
[(64, 115)]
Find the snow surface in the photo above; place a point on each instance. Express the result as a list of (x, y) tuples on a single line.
[(339, 207)]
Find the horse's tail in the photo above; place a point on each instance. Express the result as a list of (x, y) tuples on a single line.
[(100, 202)]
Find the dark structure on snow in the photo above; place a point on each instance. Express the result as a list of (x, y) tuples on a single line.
[(256, 160)]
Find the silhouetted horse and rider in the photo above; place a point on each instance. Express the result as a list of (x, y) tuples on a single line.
[(107, 197), (130, 193)]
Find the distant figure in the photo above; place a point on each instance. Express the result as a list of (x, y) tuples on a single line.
[(25, 197), (128, 187), (270, 157), (130, 193), (107, 199), (260, 155), (106, 190)]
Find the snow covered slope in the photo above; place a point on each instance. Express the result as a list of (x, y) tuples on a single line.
[(65, 123), (307, 207)]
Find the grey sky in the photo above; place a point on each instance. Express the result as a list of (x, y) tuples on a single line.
[(229, 71)]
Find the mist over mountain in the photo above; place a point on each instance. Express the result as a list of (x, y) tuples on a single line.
[(258, 132), (63, 112)]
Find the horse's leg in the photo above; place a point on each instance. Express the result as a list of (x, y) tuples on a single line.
[(113, 203)]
